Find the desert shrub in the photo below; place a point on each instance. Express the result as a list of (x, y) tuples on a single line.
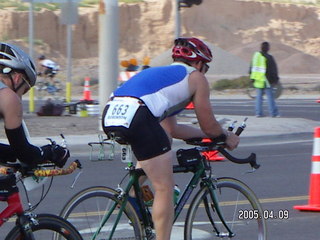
[(236, 83)]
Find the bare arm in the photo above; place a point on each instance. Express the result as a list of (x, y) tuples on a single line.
[(11, 108), (180, 131), (199, 86), (203, 109)]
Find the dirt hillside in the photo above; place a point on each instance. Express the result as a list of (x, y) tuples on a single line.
[(147, 29)]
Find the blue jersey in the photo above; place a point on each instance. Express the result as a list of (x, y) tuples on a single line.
[(164, 90)]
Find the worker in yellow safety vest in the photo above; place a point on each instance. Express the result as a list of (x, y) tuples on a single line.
[(264, 73)]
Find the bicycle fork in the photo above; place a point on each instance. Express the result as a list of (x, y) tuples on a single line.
[(216, 208), (25, 223)]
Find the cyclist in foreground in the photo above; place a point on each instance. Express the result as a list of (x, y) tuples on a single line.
[(143, 111), (17, 76)]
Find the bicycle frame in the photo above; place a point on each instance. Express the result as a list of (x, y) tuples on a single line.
[(14, 207), (199, 175)]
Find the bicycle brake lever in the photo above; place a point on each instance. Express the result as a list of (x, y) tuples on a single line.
[(51, 141), (76, 179), (64, 141)]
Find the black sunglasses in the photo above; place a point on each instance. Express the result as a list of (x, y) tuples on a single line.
[(204, 69)]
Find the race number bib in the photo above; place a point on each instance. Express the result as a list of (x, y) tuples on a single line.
[(121, 112)]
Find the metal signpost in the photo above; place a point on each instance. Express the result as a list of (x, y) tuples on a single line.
[(69, 16)]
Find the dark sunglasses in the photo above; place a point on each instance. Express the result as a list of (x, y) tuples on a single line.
[(28, 84), (204, 69)]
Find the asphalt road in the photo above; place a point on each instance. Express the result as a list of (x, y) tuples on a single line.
[(290, 108), (281, 183)]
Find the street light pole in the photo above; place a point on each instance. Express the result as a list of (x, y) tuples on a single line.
[(177, 20), (31, 41), (108, 50)]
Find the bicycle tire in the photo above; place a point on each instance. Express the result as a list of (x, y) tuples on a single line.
[(49, 227), (40, 91), (86, 209), (59, 92), (277, 91), (234, 197)]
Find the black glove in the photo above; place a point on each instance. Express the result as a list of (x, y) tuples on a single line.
[(56, 154)]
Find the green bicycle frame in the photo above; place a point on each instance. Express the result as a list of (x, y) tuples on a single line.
[(199, 174)]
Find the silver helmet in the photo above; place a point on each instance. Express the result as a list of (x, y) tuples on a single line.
[(13, 57)]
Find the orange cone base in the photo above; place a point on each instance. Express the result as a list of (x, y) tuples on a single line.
[(313, 208), (190, 106), (86, 97), (212, 156)]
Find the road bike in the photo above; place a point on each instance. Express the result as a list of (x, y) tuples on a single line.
[(49, 86), (215, 211), (277, 91), (30, 225)]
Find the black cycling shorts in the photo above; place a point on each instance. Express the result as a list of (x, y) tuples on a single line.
[(145, 134)]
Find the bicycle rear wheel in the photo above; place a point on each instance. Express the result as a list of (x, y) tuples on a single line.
[(234, 198), (87, 208), (48, 227)]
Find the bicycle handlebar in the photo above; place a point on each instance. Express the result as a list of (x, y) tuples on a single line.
[(26, 172), (207, 144), (252, 159)]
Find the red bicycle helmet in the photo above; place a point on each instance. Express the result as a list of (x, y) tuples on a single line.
[(191, 49)]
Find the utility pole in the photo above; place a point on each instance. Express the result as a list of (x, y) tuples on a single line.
[(177, 32), (180, 4), (108, 49), (31, 43)]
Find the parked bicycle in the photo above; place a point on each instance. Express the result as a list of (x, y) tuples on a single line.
[(277, 91), (101, 212), (30, 225)]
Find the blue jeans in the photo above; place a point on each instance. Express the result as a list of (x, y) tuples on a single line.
[(273, 109)]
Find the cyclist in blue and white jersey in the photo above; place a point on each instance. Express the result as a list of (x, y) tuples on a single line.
[(143, 111)]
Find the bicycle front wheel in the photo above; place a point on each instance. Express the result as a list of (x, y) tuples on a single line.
[(241, 211), (86, 209), (47, 227)]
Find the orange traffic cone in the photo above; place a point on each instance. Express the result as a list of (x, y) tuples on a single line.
[(86, 90), (314, 190), (190, 106), (212, 156)]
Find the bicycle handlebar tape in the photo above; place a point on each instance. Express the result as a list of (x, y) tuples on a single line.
[(314, 187), (57, 172), (86, 91)]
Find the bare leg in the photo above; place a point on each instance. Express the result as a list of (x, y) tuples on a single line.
[(159, 172)]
